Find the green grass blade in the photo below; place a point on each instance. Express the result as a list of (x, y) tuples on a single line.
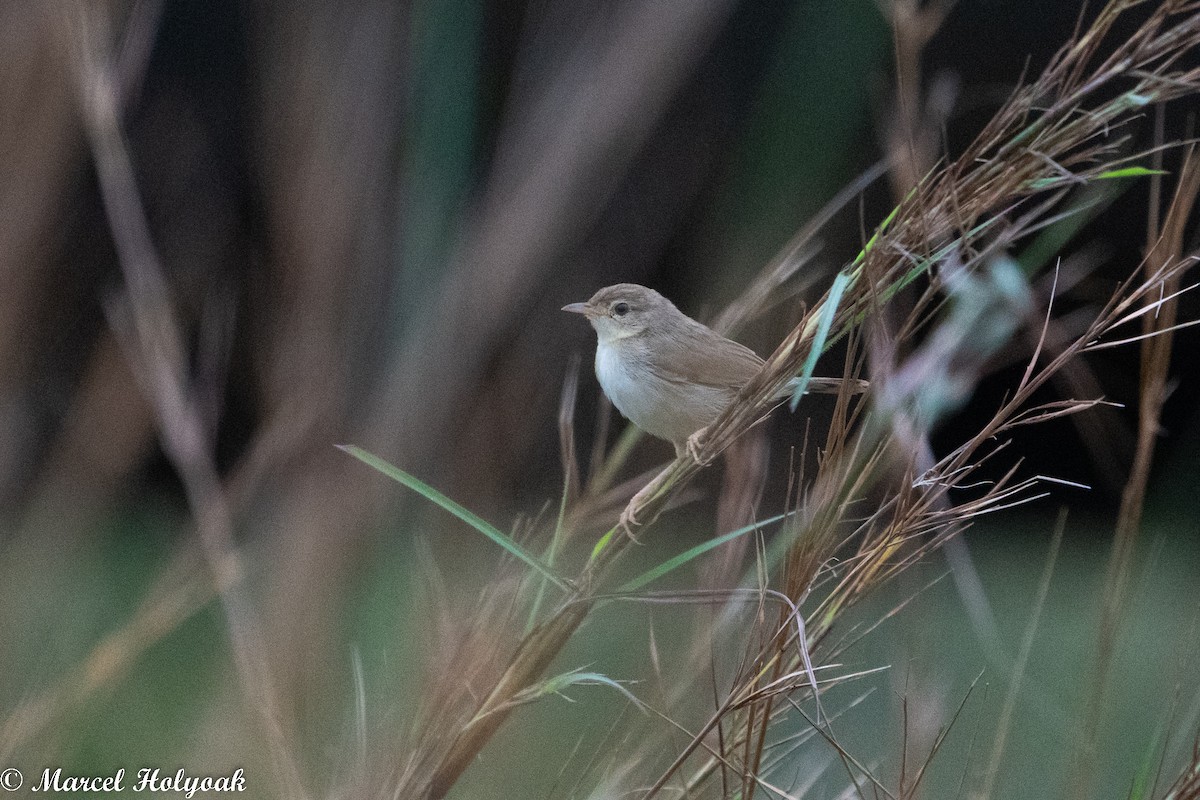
[(1130, 172), (818, 346), (467, 516), (883, 226), (1112, 174), (602, 543), (693, 553), (1144, 778)]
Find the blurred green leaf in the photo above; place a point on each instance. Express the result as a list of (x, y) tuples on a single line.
[(1081, 208), (1144, 778)]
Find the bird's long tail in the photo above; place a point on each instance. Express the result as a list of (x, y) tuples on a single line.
[(823, 386)]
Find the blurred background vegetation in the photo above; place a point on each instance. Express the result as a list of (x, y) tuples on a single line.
[(368, 214)]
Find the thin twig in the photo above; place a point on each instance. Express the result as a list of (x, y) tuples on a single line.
[(150, 329)]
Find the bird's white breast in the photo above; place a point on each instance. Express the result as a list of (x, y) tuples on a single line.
[(667, 409), (623, 382)]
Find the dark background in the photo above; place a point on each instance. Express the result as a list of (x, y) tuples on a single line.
[(319, 180)]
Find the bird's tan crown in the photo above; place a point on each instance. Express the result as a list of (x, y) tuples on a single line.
[(632, 293), (626, 310)]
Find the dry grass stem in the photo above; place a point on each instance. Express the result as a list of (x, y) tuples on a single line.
[(952, 229), (934, 302), (145, 319), (1164, 265)]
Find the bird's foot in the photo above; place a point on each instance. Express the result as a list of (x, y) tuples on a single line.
[(694, 443), (628, 522)]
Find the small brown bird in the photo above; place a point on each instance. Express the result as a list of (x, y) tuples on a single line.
[(665, 372)]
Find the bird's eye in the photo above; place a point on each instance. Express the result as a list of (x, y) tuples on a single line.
[(621, 309)]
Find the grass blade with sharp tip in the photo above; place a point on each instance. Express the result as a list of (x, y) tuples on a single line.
[(1112, 174), (699, 550), (566, 432), (1130, 172), (467, 516), (818, 345)]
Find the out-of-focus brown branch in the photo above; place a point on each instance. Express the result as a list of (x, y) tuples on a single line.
[(145, 319), (326, 115), (913, 133), (566, 138), (1164, 250), (555, 160), (39, 138)]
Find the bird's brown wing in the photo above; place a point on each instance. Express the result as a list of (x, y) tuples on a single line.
[(706, 358)]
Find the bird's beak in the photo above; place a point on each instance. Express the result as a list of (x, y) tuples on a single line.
[(579, 308)]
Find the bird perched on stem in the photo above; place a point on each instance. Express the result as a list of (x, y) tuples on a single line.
[(664, 371)]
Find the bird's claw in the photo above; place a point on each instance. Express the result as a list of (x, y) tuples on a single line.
[(694, 443), (628, 522)]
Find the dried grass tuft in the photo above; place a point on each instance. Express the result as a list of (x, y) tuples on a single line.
[(948, 240)]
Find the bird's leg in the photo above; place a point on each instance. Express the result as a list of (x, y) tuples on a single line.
[(628, 520), (692, 448)]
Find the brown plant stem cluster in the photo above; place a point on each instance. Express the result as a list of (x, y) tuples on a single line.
[(1059, 132)]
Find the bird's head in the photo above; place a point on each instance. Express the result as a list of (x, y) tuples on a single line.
[(624, 310)]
